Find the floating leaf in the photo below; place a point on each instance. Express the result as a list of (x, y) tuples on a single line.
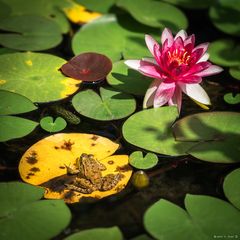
[(231, 99), (79, 14), (29, 33), (231, 187), (110, 105), (48, 124), (25, 216), (225, 18), (142, 237), (225, 52), (213, 216), (88, 67), (35, 76), (46, 162), (155, 14), (107, 36), (205, 219), (137, 160), (216, 135), (151, 130), (44, 8), (235, 72), (5, 10), (128, 80), (13, 103), (15, 127), (98, 6), (192, 4), (112, 233)]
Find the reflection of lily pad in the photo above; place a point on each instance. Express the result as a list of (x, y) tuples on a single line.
[(155, 14), (215, 135), (110, 105), (88, 67), (106, 36), (31, 33), (151, 130), (50, 125), (235, 72), (232, 99), (46, 163), (137, 160), (35, 76), (205, 217), (12, 127), (112, 233), (25, 216), (231, 187), (128, 80), (225, 52), (13, 103)]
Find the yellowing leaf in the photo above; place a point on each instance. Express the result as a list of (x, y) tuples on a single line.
[(46, 162), (79, 14)]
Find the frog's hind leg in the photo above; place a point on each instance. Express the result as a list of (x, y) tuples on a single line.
[(110, 181), (78, 189)]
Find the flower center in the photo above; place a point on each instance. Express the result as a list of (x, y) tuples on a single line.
[(178, 56)]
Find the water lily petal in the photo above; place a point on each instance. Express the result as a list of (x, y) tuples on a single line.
[(191, 79), (163, 94), (190, 41), (202, 46), (203, 58), (195, 69), (149, 69), (151, 60), (134, 64), (181, 34), (149, 96), (176, 98), (213, 69), (196, 92), (167, 35), (150, 42)]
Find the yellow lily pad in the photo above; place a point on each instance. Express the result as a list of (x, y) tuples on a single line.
[(77, 13), (46, 163)]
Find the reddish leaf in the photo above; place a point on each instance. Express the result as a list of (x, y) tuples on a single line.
[(88, 67)]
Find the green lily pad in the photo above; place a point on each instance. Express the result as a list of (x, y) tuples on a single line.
[(225, 18), (235, 72), (12, 127), (213, 216), (49, 125), (142, 237), (6, 50), (165, 220), (13, 103), (45, 8), (24, 216), (192, 4), (225, 52), (35, 76), (97, 6), (155, 14), (231, 187), (206, 218), (29, 33), (113, 40), (112, 233), (230, 99), (216, 135), (128, 80), (137, 160), (110, 105), (151, 130), (5, 10)]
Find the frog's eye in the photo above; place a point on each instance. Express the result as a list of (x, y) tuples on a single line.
[(90, 155)]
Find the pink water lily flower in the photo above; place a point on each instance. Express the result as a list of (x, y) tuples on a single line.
[(177, 67)]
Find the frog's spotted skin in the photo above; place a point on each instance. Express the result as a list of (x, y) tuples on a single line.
[(89, 176)]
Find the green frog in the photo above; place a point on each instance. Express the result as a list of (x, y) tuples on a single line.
[(89, 176)]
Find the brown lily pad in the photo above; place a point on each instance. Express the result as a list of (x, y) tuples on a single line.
[(89, 67), (46, 164)]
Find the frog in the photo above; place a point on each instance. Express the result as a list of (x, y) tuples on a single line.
[(89, 176)]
